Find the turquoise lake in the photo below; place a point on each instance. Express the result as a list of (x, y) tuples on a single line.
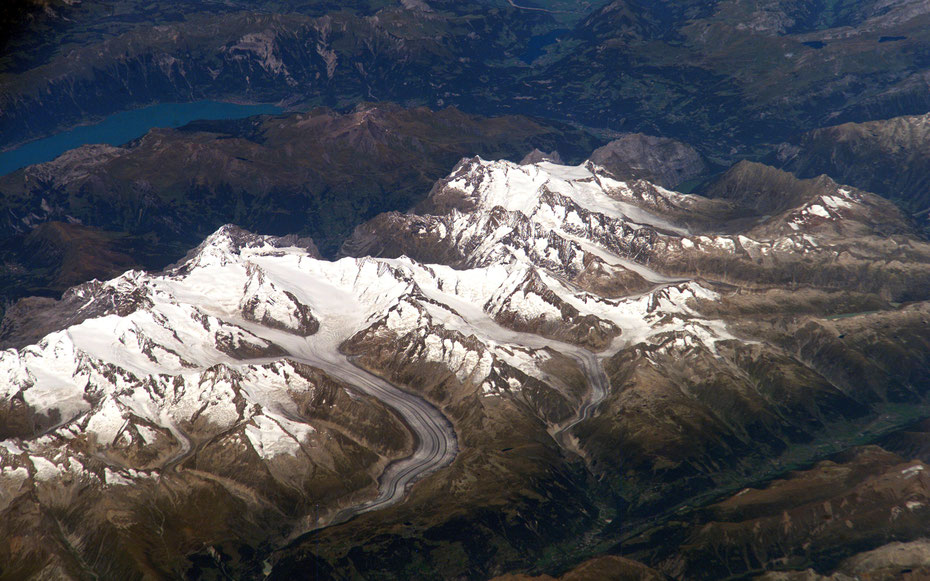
[(125, 126)]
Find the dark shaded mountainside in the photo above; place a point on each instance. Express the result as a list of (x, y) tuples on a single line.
[(890, 157), (316, 174), (731, 78)]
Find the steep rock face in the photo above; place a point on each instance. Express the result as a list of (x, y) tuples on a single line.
[(759, 188), (556, 216), (262, 302), (167, 373), (537, 156), (662, 161), (485, 344)]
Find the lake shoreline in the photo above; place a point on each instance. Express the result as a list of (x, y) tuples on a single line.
[(124, 126)]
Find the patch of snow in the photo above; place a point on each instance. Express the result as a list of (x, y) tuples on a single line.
[(147, 434), (271, 437), (113, 478), (836, 202), (912, 471), (44, 469), (11, 447), (818, 210)]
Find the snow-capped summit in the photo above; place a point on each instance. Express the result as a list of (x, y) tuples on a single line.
[(547, 192)]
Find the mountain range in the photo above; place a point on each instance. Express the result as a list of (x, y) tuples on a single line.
[(147, 202), (540, 356), (733, 78), (509, 289)]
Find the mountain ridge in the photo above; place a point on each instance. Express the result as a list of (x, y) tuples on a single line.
[(500, 312)]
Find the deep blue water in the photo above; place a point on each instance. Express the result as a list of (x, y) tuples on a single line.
[(535, 46), (125, 126)]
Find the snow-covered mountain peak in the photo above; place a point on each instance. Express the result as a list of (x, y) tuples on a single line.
[(544, 190), (222, 247)]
